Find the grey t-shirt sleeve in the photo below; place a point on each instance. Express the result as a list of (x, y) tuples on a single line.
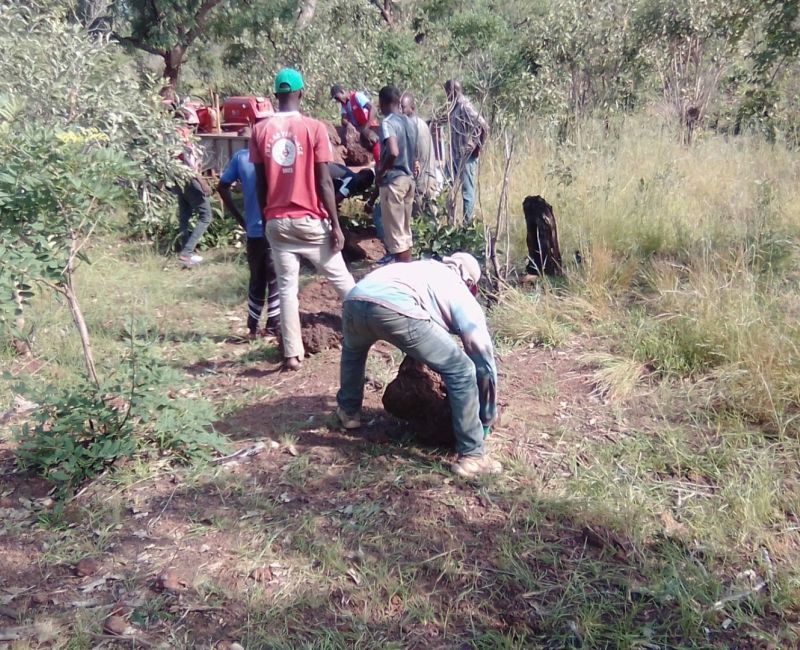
[(388, 129)]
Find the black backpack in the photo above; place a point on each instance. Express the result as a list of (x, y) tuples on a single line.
[(544, 254)]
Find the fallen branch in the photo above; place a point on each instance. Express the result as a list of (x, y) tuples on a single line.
[(245, 452), (113, 637), (741, 595)]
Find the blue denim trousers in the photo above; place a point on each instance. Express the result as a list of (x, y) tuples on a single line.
[(364, 323), (377, 219), (469, 178)]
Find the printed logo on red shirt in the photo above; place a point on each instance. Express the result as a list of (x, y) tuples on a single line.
[(284, 152)]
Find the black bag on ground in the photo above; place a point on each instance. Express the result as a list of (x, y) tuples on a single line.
[(544, 254)]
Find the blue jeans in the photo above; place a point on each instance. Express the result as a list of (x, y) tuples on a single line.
[(469, 176), (364, 323), (377, 219)]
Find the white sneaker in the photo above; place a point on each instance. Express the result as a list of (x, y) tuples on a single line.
[(472, 466), (348, 421), (190, 260)]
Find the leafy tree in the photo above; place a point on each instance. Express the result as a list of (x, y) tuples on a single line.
[(691, 46), (165, 29), (77, 139)]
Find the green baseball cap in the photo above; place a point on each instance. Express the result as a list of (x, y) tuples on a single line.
[(288, 80)]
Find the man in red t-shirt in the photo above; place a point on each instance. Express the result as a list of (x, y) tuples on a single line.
[(291, 153), (357, 109)]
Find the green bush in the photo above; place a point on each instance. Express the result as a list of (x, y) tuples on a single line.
[(80, 430), (433, 239), (74, 435)]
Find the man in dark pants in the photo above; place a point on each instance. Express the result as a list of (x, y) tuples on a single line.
[(192, 197), (262, 273)]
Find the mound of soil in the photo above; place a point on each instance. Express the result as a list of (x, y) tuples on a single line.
[(338, 149), (347, 147), (419, 396), (361, 246), (320, 317)]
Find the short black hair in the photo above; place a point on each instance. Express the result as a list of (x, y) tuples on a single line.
[(335, 90), (389, 95)]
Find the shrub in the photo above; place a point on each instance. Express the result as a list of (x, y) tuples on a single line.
[(434, 239), (81, 429)]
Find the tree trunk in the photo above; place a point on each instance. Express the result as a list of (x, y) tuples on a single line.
[(172, 69), (306, 15), (80, 323), (68, 290)]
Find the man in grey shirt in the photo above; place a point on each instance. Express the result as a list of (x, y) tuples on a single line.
[(395, 174), (427, 185)]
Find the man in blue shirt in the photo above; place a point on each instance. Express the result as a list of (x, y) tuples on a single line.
[(262, 273), (416, 307)]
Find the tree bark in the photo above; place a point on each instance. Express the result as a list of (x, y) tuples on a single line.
[(80, 323), (306, 15), (386, 8), (172, 66)]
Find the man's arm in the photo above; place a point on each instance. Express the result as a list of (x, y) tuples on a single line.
[(224, 190), (484, 134), (328, 197), (468, 321), (478, 124), (478, 347), (387, 162), (261, 187), (372, 117)]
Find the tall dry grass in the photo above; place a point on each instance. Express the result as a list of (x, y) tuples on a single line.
[(690, 260)]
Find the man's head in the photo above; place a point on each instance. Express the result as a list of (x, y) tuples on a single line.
[(389, 100), (288, 89), (452, 88), (338, 94), (408, 105), (467, 267)]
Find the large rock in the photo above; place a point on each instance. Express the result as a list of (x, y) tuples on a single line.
[(419, 396)]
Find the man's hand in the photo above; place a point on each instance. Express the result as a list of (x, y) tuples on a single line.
[(417, 168), (337, 238)]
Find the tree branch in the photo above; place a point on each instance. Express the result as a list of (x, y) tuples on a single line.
[(199, 21), (385, 9), (138, 44)]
